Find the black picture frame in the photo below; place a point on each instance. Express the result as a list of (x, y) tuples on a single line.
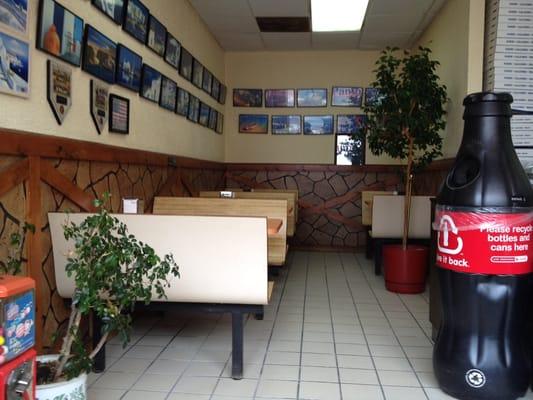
[(207, 81), (350, 124), (215, 89), (284, 124), (157, 36), (280, 98), (213, 115), (172, 51), (220, 124), (129, 68), (253, 123), (186, 64), (203, 116), (136, 16), (223, 94), (150, 88), (346, 96), (197, 73), (96, 45), (194, 109), (182, 102), (314, 97), (372, 95), (116, 14), (49, 39), (247, 97), (115, 114), (326, 122), (169, 92), (349, 151)]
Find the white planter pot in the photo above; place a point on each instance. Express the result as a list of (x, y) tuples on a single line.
[(75, 389)]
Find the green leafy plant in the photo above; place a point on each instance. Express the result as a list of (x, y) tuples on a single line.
[(112, 271), (406, 120), (13, 264)]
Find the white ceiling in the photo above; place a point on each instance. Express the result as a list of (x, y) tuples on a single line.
[(387, 23)]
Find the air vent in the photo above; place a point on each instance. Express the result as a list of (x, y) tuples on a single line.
[(284, 24)]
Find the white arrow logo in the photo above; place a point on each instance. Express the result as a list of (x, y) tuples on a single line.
[(446, 225)]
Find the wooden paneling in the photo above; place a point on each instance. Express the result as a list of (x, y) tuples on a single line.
[(14, 175)]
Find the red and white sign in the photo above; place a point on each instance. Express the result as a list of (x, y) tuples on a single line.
[(485, 243)]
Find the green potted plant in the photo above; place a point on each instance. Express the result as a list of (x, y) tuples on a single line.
[(112, 270), (404, 123)]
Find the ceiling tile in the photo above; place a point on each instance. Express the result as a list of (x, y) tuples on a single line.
[(240, 41), (398, 7), (335, 40), (222, 7), (287, 41), (280, 8), (383, 23), (242, 24)]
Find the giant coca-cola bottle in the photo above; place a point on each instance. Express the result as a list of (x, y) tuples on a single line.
[(484, 259)]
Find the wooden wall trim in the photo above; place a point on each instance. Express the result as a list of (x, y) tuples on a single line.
[(312, 167), (14, 175)]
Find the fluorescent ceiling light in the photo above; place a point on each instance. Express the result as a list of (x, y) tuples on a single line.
[(338, 15)]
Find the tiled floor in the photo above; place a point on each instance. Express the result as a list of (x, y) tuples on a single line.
[(332, 332)]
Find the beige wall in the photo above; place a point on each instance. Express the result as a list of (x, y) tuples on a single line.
[(284, 70), (456, 39), (151, 127)]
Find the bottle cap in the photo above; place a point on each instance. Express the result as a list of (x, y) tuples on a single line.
[(488, 104)]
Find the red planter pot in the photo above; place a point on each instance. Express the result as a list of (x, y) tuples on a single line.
[(405, 270)]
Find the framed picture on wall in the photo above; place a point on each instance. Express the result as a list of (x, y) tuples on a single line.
[(215, 89), (286, 124), (197, 73), (99, 104), (114, 9), (129, 68), (350, 124), (119, 114), (172, 51), (207, 83), (279, 98), (347, 96), (349, 151), (150, 83), (14, 16), (182, 103), (372, 95), (59, 32), (223, 92), (203, 117), (136, 20), (59, 85), (15, 66), (253, 123), (220, 124), (186, 64), (99, 56), (169, 90), (157, 36), (248, 97), (213, 119), (194, 108), (318, 124), (312, 97)]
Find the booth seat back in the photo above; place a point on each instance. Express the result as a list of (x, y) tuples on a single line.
[(387, 217), (367, 198), (293, 191), (220, 259)]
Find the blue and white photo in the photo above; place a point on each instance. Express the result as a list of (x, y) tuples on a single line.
[(151, 83), (172, 51), (157, 35), (318, 124), (286, 124), (372, 96), (14, 15), (99, 57), (129, 68), (203, 118), (14, 66), (182, 106), (114, 9), (169, 89), (350, 123), (136, 20)]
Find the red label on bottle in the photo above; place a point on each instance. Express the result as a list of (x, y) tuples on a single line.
[(485, 243)]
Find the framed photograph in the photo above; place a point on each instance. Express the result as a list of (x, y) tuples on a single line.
[(150, 83), (182, 104), (215, 89), (169, 90), (172, 51), (119, 114), (312, 97), (347, 96), (279, 98), (213, 120), (223, 91), (129, 68), (349, 151), (194, 108), (286, 124), (207, 82), (371, 96), (136, 20), (350, 124), (157, 36), (99, 104), (14, 16), (203, 117), (186, 64), (318, 124), (253, 123), (59, 32), (197, 73), (114, 9), (99, 56), (248, 97), (14, 66), (220, 124), (59, 93)]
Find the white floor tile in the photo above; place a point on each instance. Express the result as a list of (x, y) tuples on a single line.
[(361, 392), (319, 391), (277, 389), (280, 372), (398, 378), (319, 374), (195, 385), (392, 364), (156, 382), (359, 376), (237, 388), (167, 367), (318, 360), (404, 393), (199, 368), (104, 394), (143, 395), (116, 380)]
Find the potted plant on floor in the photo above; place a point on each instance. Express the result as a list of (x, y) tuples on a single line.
[(404, 123), (112, 270)]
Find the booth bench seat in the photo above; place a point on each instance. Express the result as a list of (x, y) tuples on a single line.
[(222, 264)]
